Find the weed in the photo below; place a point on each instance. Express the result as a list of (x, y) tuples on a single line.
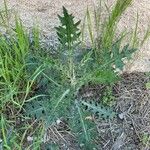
[(109, 30), (82, 127), (145, 140), (148, 85), (68, 34), (108, 47), (42, 88), (4, 17), (108, 99), (16, 83), (99, 110)]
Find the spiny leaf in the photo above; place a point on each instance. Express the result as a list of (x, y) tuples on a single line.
[(51, 107), (84, 128), (37, 109), (68, 31), (118, 55), (99, 109)]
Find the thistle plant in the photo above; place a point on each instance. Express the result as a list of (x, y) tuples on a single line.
[(68, 35)]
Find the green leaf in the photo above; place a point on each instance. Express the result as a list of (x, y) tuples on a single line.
[(49, 108), (102, 111), (83, 128), (37, 109), (68, 31), (103, 76), (148, 85), (118, 55)]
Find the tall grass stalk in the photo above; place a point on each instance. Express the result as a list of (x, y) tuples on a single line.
[(135, 39), (146, 36), (15, 81), (5, 17), (110, 25), (90, 28), (103, 31)]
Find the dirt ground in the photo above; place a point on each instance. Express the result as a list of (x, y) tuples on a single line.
[(45, 14)]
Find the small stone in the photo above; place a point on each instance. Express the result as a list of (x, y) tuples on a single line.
[(29, 139), (121, 116), (58, 121), (81, 145)]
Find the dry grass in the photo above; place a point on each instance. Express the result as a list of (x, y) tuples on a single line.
[(133, 106)]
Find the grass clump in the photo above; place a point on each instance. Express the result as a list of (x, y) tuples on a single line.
[(110, 25)]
